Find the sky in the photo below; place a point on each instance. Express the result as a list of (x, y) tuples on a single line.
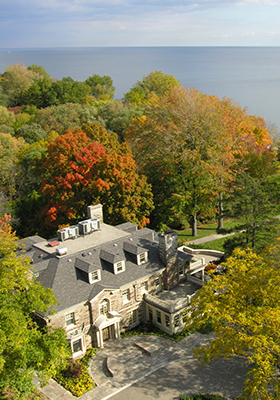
[(110, 23)]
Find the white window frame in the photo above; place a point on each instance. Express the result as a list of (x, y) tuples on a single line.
[(97, 274), (142, 258), (133, 318), (158, 284), (176, 321), (70, 319), (119, 267), (126, 296), (104, 307), (167, 320), (144, 287), (77, 339)]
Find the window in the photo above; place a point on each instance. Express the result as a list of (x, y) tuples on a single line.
[(142, 258), (150, 311), (158, 284), (181, 270), (133, 317), (144, 287), (77, 346), (104, 307), (176, 321), (69, 318), (94, 276), (167, 321), (119, 267), (126, 296), (158, 317)]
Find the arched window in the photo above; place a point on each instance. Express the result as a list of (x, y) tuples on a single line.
[(104, 307)]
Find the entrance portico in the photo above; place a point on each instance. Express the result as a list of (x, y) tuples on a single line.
[(108, 327)]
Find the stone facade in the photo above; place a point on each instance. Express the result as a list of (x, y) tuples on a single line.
[(110, 280)]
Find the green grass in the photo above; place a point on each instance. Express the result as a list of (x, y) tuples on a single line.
[(212, 245), (202, 231)]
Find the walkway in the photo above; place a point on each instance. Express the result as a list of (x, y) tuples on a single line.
[(140, 360)]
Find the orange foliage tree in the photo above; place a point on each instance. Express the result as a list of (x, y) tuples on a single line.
[(189, 145)]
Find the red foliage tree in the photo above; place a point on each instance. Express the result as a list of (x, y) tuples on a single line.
[(77, 172)]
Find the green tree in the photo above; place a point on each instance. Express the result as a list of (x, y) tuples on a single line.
[(24, 347), (252, 203), (9, 149), (17, 78), (59, 118), (179, 136), (32, 133), (101, 87), (243, 307), (156, 82)]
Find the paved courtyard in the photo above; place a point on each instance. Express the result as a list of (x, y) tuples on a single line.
[(150, 367)]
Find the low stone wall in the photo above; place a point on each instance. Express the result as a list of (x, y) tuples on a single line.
[(205, 252)]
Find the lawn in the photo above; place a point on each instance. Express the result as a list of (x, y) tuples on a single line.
[(203, 230)]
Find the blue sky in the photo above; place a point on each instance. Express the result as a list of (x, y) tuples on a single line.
[(82, 23)]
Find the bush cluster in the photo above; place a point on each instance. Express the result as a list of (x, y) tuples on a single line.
[(75, 377), (205, 396)]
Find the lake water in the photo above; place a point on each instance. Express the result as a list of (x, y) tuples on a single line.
[(248, 75)]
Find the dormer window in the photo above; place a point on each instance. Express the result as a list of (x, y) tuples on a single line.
[(94, 276), (142, 258), (119, 267), (137, 253)]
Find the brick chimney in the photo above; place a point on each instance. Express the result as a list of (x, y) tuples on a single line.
[(95, 211), (168, 255)]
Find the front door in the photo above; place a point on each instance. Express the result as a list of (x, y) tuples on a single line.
[(106, 334)]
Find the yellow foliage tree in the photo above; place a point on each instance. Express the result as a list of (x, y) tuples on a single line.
[(243, 307)]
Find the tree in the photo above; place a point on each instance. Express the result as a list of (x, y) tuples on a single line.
[(101, 87), (59, 118), (252, 203), (77, 171), (181, 134), (24, 347), (16, 79), (243, 308), (156, 82), (9, 149), (32, 133), (200, 141)]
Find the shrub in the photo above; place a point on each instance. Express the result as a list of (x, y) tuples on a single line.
[(77, 386), (205, 396), (75, 377)]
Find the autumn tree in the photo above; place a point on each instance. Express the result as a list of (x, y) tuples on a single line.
[(24, 347), (78, 171), (180, 136), (242, 306), (156, 83), (197, 142)]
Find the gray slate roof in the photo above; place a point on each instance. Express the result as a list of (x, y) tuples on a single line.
[(65, 275)]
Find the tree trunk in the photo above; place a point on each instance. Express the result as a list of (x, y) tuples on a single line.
[(194, 225), (221, 212)]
